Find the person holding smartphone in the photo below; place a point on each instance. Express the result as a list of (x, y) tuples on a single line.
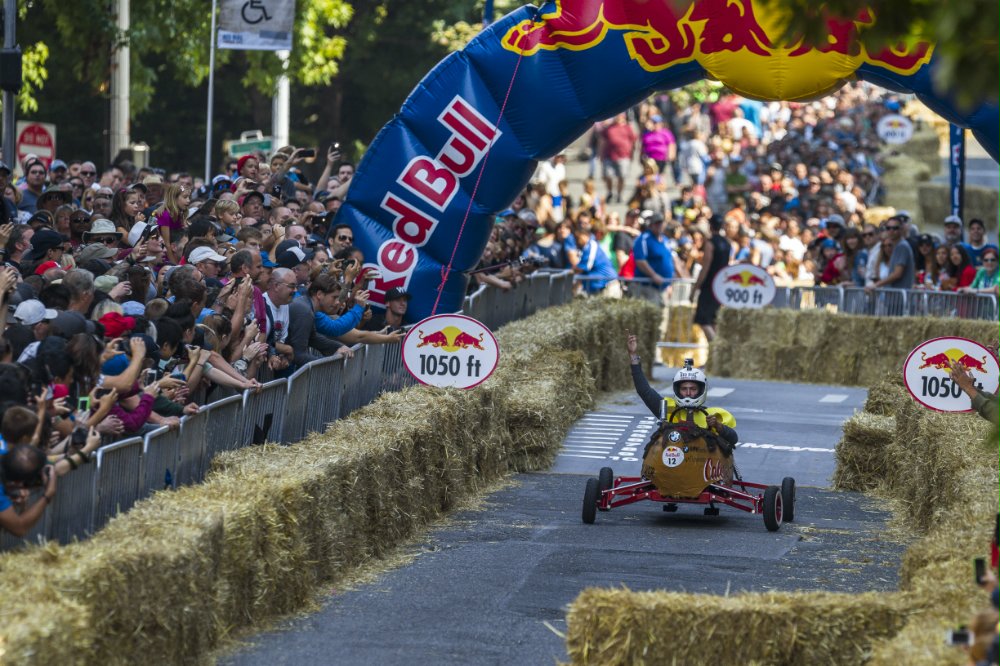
[(25, 470)]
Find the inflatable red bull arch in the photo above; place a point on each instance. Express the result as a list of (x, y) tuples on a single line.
[(468, 137)]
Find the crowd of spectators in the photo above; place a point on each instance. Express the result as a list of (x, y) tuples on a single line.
[(795, 188), (132, 297)]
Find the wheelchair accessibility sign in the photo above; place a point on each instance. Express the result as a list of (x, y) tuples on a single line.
[(261, 25)]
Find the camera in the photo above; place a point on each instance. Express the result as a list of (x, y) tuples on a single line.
[(78, 439), (83, 404), (979, 565), (959, 637), (307, 153), (148, 377)]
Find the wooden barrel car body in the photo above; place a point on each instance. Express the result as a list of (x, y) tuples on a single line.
[(683, 458)]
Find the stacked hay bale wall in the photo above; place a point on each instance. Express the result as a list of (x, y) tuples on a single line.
[(935, 205), (939, 471), (184, 570), (819, 347)]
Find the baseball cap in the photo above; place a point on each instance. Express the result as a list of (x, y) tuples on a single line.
[(253, 193), (204, 254), (828, 242), (133, 309), (32, 311), (396, 293), (4, 167), (835, 219), (286, 244), (905, 214), (57, 164), (925, 239), (294, 256), (953, 219), (45, 240)]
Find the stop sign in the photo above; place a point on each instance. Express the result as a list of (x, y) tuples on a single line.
[(36, 139)]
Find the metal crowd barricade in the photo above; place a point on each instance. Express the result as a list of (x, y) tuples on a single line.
[(807, 298), (325, 390), (159, 456), (71, 516), (296, 402), (191, 463), (351, 391), (264, 413), (315, 395), (222, 432), (36, 534), (119, 479)]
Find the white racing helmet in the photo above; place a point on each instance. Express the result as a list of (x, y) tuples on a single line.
[(689, 373)]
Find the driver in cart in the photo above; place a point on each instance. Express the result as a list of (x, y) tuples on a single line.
[(690, 388)]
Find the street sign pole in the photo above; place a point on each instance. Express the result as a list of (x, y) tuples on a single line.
[(9, 103), (211, 99)]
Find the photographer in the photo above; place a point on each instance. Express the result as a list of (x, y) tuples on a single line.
[(24, 469)]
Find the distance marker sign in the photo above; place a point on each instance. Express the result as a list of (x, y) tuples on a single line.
[(743, 286), (927, 373), (450, 351)]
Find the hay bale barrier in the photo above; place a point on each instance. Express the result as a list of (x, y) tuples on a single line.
[(939, 474), (813, 346), (620, 627), (186, 570)]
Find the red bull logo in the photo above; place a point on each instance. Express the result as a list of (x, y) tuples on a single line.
[(942, 361), (744, 279), (450, 339), (728, 38)]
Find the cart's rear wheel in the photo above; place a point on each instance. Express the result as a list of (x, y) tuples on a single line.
[(590, 497), (606, 478), (788, 499), (772, 508)]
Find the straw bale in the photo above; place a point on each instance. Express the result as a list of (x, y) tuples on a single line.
[(886, 395), (924, 145), (935, 204), (186, 569), (862, 455), (622, 627)]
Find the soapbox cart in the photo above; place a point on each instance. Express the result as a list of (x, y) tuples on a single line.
[(686, 464)]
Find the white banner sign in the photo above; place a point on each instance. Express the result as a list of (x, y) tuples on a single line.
[(450, 351), (927, 373), (261, 25), (894, 129), (743, 286)]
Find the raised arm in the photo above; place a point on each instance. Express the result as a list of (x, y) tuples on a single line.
[(650, 397)]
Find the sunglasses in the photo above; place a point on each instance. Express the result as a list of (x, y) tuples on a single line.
[(79, 220), (989, 260), (88, 173), (892, 228), (107, 240), (345, 238), (868, 233)]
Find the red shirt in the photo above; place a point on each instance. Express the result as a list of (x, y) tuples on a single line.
[(620, 141)]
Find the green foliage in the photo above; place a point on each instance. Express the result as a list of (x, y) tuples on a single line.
[(964, 34)]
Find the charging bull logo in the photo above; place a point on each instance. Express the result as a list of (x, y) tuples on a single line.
[(942, 361), (739, 42), (450, 339), (745, 279)]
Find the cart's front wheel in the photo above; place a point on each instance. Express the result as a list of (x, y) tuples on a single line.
[(590, 497), (773, 509)]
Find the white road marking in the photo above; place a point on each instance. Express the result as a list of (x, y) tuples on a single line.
[(834, 397), (779, 447), (577, 455), (719, 392)]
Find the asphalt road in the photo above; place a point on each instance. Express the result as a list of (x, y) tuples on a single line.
[(492, 586)]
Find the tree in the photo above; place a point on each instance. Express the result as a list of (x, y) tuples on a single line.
[(964, 35)]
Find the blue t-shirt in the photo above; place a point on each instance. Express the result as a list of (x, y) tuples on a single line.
[(977, 255), (594, 262), (654, 251)]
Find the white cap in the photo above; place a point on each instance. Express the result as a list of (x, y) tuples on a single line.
[(953, 219), (136, 232), (204, 254), (32, 311)]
